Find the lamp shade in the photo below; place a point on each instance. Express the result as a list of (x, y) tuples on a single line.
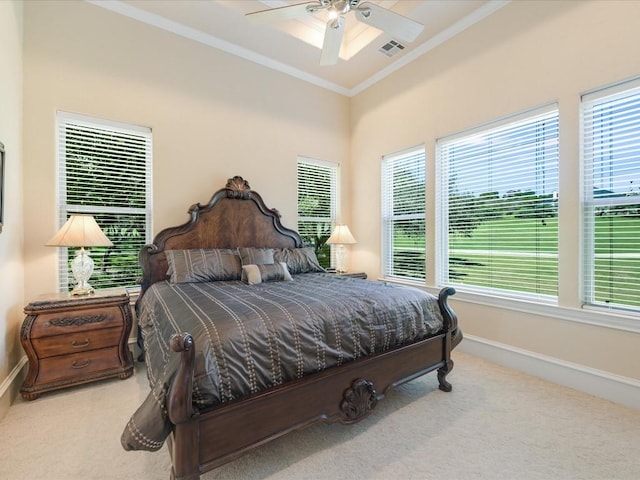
[(341, 235), (80, 231)]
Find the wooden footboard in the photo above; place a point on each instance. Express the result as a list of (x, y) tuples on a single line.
[(203, 440)]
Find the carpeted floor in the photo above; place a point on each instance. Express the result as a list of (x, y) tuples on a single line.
[(496, 424)]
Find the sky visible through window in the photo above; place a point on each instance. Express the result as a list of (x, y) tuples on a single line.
[(508, 159), (615, 134)]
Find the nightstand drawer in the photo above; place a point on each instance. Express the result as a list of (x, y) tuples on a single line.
[(77, 342), (59, 323), (78, 364)]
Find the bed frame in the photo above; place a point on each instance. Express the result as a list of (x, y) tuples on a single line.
[(202, 440)]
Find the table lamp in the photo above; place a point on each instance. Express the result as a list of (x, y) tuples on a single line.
[(81, 231), (341, 236)]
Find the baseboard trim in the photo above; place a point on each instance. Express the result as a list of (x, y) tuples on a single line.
[(10, 385), (618, 389)]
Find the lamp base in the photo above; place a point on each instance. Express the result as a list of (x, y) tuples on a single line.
[(82, 268), (340, 266), (79, 291)]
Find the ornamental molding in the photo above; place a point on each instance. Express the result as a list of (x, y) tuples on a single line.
[(77, 321), (238, 188), (358, 400)]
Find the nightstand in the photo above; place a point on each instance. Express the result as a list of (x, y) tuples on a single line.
[(73, 340)]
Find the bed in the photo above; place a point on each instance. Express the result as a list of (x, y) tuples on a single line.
[(247, 338)]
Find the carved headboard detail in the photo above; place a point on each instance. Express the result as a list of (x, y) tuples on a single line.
[(236, 216)]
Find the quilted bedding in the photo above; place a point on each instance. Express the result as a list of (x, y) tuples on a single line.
[(252, 337)]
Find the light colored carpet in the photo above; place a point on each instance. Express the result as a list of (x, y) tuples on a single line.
[(495, 424)]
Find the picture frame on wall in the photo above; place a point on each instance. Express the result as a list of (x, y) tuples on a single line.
[(1, 185)]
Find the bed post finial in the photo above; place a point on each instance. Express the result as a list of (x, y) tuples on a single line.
[(238, 187)]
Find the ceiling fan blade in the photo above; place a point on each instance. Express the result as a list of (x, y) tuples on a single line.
[(278, 14), (398, 26), (332, 41)]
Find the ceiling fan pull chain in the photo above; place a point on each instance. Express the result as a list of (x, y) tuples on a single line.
[(336, 23)]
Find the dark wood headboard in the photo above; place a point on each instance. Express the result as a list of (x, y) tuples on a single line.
[(236, 216)]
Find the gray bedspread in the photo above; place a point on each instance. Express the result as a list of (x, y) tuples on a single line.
[(252, 337)]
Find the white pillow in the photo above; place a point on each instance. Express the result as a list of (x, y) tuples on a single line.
[(268, 272)]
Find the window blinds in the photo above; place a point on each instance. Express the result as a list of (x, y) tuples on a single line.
[(498, 189), (317, 204), (105, 171), (611, 205), (403, 214)]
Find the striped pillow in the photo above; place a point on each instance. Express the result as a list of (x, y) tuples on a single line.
[(203, 265), (255, 256), (299, 260)]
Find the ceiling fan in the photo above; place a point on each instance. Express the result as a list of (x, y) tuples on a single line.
[(396, 25)]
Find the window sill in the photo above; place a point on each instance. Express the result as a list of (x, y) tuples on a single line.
[(601, 317)]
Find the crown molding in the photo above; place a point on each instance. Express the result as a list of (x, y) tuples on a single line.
[(158, 21), (458, 27)]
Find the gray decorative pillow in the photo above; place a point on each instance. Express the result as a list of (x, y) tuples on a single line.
[(255, 256), (273, 272), (203, 265), (299, 260)]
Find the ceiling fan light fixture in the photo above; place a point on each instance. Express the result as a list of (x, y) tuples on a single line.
[(341, 6), (397, 26), (365, 12)]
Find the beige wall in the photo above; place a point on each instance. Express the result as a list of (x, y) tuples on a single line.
[(11, 263), (213, 115), (527, 54)]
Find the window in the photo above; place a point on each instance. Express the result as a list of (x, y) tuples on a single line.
[(317, 205), (611, 205), (498, 192), (403, 214), (105, 171)]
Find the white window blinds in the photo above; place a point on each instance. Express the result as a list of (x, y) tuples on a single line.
[(611, 206), (498, 192), (105, 171), (403, 214), (317, 205)]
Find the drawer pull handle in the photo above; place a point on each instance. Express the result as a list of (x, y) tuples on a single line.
[(75, 364), (75, 344)]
